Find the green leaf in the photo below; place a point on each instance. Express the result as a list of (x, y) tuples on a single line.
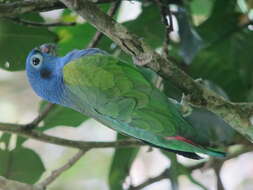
[(223, 19), (225, 60), (201, 7), (176, 169), (17, 40), (21, 164), (121, 163), (61, 116), (5, 138), (76, 37)]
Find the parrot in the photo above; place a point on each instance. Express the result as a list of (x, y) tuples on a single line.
[(116, 93)]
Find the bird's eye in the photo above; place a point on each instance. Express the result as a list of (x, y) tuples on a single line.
[(36, 60)]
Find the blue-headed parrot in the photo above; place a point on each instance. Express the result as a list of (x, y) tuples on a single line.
[(117, 94)]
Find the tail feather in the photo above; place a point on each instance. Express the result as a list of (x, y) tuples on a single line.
[(190, 155), (198, 148), (216, 153)]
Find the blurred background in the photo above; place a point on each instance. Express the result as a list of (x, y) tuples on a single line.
[(209, 45)]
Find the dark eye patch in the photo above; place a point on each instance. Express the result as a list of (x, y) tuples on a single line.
[(45, 73)]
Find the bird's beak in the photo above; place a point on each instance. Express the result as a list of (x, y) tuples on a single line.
[(48, 48)]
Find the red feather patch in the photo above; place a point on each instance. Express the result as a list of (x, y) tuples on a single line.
[(179, 138)]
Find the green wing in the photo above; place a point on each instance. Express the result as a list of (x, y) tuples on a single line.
[(119, 95), (111, 87)]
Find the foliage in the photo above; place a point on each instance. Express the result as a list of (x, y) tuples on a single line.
[(20, 39), (19, 162)]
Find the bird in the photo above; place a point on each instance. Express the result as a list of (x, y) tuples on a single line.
[(118, 94)]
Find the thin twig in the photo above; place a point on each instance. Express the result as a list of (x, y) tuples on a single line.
[(96, 38), (163, 175), (217, 167), (98, 35), (194, 181), (56, 173), (39, 24), (40, 117)]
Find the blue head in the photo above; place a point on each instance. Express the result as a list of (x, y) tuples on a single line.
[(44, 71)]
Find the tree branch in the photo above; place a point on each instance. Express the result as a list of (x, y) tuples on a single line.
[(21, 7), (163, 175), (236, 115), (56, 173), (217, 168), (40, 117), (98, 35)]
